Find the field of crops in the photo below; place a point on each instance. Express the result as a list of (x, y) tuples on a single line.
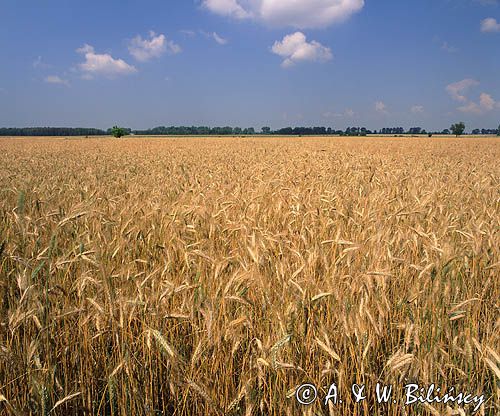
[(213, 276)]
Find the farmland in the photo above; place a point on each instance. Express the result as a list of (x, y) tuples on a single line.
[(211, 276)]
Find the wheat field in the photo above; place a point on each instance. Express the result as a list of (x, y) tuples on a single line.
[(213, 276)]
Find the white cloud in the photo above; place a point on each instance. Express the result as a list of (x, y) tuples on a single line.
[(219, 39), (457, 92), (54, 79), (229, 8), (297, 13), (457, 89), (380, 107), (145, 49), (486, 103), (490, 25), (102, 64), (214, 36), (470, 107), (417, 109), (295, 48)]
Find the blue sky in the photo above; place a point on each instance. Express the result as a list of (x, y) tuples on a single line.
[(339, 63)]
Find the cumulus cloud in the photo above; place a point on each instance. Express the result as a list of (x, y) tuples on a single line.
[(457, 92), (102, 64), (231, 8), (294, 48), (146, 49), (380, 107), (486, 103), (297, 13), (54, 79), (490, 25), (417, 109), (457, 89)]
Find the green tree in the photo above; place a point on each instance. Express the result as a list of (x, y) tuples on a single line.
[(266, 130), (458, 128), (118, 131), (498, 131)]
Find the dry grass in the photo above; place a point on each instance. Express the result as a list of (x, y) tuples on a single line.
[(213, 276)]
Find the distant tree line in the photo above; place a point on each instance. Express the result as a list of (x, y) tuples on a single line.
[(195, 131), (232, 131), (285, 131), (477, 132), (51, 131), (395, 130), (293, 131)]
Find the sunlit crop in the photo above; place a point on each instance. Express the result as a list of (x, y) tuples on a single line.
[(214, 276)]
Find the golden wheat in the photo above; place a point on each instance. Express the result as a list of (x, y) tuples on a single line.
[(211, 276)]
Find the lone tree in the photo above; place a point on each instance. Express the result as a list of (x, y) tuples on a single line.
[(458, 128), (118, 132), (498, 131)]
